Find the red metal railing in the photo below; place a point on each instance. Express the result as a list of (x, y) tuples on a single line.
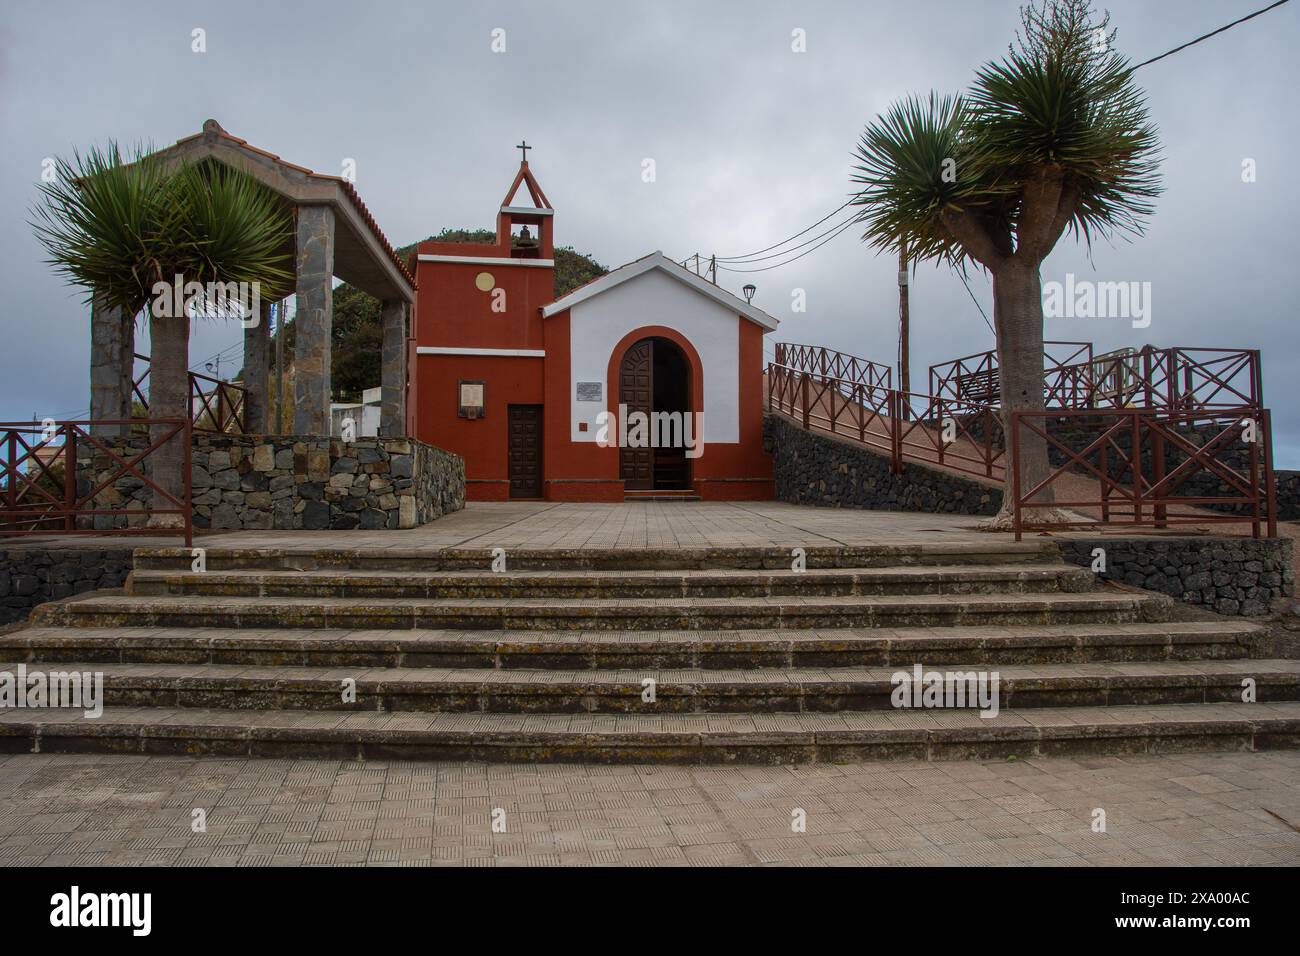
[(974, 378), (1172, 379), (961, 436), (1150, 436), (1141, 463), (831, 364), (219, 409), (37, 499)]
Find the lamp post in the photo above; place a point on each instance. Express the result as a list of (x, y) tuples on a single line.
[(749, 289)]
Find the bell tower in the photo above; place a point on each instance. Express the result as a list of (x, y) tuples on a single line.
[(515, 219)]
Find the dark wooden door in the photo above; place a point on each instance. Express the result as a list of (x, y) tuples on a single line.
[(636, 393), (525, 457)]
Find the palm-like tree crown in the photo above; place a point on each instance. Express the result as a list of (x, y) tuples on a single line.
[(1054, 136), (117, 228)]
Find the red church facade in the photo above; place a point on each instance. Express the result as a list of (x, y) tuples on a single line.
[(536, 394)]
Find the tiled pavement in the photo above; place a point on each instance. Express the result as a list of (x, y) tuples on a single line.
[(541, 524), (1193, 809)]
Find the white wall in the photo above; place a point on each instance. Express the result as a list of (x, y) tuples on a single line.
[(652, 298), (365, 419)]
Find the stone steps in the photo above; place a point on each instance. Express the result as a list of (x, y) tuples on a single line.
[(750, 660), (396, 559), (830, 582), (774, 690), (679, 738), (1109, 606), (568, 650)]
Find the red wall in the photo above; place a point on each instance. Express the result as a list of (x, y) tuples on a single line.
[(452, 312)]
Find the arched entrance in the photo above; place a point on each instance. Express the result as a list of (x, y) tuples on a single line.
[(654, 378)]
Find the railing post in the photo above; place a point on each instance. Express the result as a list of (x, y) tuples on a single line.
[(11, 480), (1270, 485), (70, 477), (1256, 380), (1135, 453), (1146, 375), (1105, 480), (804, 380), (1158, 469), (861, 394), (187, 434), (1173, 384), (896, 429)]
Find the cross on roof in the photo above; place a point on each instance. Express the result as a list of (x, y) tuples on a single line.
[(524, 148)]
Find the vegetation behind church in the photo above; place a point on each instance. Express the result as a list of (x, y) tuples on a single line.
[(358, 336)]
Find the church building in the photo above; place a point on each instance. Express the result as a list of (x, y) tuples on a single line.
[(645, 382)]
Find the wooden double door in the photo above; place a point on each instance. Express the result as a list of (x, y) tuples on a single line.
[(654, 376)]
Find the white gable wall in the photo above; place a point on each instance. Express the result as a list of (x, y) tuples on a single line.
[(597, 324)]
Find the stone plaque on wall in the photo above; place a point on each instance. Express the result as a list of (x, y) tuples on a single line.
[(590, 391), (470, 399)]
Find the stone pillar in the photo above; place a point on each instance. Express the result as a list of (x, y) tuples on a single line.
[(392, 409), (315, 316), (106, 377), (256, 349)]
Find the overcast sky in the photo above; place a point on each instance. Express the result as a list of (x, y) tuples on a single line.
[(751, 142)]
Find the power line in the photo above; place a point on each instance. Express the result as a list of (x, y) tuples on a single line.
[(977, 302), (750, 255), (1249, 16), (777, 265), (806, 242)]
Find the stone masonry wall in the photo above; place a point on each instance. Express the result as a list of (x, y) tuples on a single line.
[(813, 468), (33, 575), (260, 482), (1288, 495), (1235, 576)]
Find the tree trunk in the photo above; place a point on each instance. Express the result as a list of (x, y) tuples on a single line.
[(169, 397), (1018, 316)]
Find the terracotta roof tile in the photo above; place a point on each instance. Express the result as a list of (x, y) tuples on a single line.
[(349, 190)]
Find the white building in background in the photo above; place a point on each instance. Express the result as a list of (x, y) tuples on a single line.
[(364, 417)]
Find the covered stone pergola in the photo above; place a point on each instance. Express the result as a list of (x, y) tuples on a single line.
[(335, 235)]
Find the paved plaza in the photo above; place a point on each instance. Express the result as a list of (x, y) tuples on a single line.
[(1196, 809), (649, 524)]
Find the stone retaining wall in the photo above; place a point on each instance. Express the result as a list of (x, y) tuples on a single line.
[(1288, 495), (261, 482), (33, 575), (1234, 576), (814, 468)]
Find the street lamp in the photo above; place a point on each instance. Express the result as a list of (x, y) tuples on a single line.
[(749, 290)]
